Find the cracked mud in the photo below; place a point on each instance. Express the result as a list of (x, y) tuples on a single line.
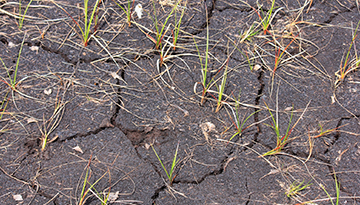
[(103, 106)]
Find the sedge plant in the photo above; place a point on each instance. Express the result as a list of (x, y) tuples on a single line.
[(22, 16), (51, 124), (337, 189), (279, 53), (160, 32), (348, 65), (89, 187), (127, 11), (320, 133), (238, 123), (88, 20), (281, 140), (169, 173), (267, 18), (12, 82), (248, 34)]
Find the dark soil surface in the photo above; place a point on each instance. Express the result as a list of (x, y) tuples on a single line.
[(103, 106)]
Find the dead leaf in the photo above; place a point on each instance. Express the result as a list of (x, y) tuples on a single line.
[(53, 139), (332, 99), (147, 146), (206, 128), (78, 149), (288, 108), (257, 67), (115, 75), (11, 44), (113, 196), (31, 120), (148, 129), (17, 197), (48, 91), (35, 48)]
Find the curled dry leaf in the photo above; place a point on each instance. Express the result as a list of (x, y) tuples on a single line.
[(78, 149)]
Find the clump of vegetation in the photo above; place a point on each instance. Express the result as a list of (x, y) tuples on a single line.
[(349, 64), (169, 173), (88, 20), (160, 33), (296, 187), (127, 11)]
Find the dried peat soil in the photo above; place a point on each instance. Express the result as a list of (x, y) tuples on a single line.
[(113, 112)]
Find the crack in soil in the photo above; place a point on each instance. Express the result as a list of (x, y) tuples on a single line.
[(231, 7), (247, 189), (257, 103), (210, 10), (331, 167), (212, 173)]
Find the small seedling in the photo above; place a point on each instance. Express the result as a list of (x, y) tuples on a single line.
[(279, 53), (12, 84), (22, 16), (322, 132), (51, 124), (280, 140), (296, 187), (128, 10), (173, 165), (237, 121), (160, 33), (85, 33), (247, 35), (88, 187), (348, 65), (267, 18)]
